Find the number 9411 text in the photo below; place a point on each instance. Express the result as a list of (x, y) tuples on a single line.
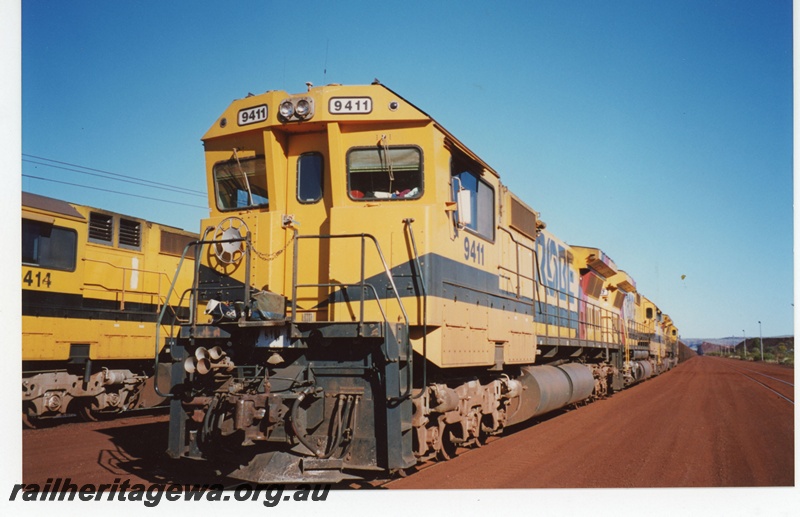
[(474, 251)]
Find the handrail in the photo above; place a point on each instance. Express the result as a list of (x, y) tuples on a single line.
[(363, 286), (163, 311), (607, 335), (362, 283), (124, 269), (362, 236), (517, 246), (198, 246), (418, 268)]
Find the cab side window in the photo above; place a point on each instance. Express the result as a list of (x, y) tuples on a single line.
[(48, 246), (481, 199)]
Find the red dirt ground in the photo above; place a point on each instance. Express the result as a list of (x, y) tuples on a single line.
[(703, 424)]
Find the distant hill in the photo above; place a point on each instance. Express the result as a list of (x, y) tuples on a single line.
[(694, 343), (776, 349)]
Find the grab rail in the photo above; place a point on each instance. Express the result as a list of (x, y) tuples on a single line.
[(133, 291), (363, 285), (192, 301)]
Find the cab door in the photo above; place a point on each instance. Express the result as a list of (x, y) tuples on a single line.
[(309, 202)]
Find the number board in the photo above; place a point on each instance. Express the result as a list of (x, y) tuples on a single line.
[(350, 105), (252, 115)]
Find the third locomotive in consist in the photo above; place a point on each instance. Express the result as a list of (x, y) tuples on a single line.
[(369, 295)]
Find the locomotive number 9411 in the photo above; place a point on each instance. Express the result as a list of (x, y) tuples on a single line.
[(344, 105), (474, 251), (253, 115)]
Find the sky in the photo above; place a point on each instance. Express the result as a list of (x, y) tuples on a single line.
[(659, 132)]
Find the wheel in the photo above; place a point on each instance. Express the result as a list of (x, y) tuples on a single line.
[(402, 473), (87, 410), (30, 420), (448, 449)]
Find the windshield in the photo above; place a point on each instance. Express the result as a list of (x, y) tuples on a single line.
[(241, 183)]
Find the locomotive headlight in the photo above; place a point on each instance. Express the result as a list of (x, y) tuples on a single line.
[(296, 109), (303, 108), (286, 109)]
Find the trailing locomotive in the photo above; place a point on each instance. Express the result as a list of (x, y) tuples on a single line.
[(93, 285), (372, 296)]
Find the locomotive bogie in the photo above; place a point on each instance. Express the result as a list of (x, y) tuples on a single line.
[(48, 394)]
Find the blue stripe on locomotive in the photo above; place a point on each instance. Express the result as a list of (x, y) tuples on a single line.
[(447, 278)]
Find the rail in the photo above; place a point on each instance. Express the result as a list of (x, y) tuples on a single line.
[(743, 372), (192, 301), (362, 285), (643, 332), (423, 284), (123, 291)]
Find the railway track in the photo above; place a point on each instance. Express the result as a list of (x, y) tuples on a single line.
[(76, 419), (782, 388)]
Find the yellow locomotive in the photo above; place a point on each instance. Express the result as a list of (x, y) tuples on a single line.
[(93, 285), (372, 296)]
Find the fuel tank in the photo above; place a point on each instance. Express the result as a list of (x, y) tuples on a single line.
[(642, 370), (546, 388)]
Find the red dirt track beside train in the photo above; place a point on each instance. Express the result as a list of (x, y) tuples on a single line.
[(700, 425)]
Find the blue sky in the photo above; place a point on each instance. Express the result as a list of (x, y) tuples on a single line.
[(660, 132)]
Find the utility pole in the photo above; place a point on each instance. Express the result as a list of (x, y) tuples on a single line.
[(745, 345), (761, 341)]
